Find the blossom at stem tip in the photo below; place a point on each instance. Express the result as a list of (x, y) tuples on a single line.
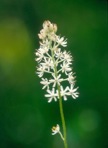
[(55, 63)]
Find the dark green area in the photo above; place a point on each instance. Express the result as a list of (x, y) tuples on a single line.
[(25, 116)]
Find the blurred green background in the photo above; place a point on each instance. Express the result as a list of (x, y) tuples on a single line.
[(26, 118)]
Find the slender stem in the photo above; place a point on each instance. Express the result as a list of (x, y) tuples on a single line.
[(60, 104), (62, 118)]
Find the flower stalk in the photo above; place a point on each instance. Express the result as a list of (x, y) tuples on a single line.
[(60, 107), (62, 119), (56, 64)]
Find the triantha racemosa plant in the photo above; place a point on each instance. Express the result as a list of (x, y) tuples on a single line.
[(55, 70)]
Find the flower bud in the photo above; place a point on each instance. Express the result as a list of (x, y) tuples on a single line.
[(55, 28)]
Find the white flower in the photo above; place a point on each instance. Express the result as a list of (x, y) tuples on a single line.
[(67, 57), (58, 53), (61, 41), (47, 64), (56, 80), (56, 129), (39, 56), (73, 92), (45, 45), (51, 95), (45, 82), (65, 67), (71, 78), (40, 70), (64, 92)]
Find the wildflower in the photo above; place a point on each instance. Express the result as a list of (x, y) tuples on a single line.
[(71, 78), (47, 63), (54, 65), (45, 82), (65, 67), (67, 57), (51, 95), (56, 129), (61, 41), (64, 92), (56, 80), (73, 92), (58, 53), (40, 70)]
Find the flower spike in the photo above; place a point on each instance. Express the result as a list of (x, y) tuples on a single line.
[(55, 63)]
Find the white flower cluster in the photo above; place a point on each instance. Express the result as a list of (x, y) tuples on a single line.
[(54, 65)]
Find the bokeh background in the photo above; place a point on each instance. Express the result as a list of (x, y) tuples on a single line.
[(25, 116)]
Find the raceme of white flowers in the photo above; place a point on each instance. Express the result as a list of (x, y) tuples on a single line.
[(54, 65)]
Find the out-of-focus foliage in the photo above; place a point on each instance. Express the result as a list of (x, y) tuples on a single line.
[(25, 116)]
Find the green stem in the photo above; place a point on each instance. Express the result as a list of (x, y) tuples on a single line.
[(60, 104), (62, 118)]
